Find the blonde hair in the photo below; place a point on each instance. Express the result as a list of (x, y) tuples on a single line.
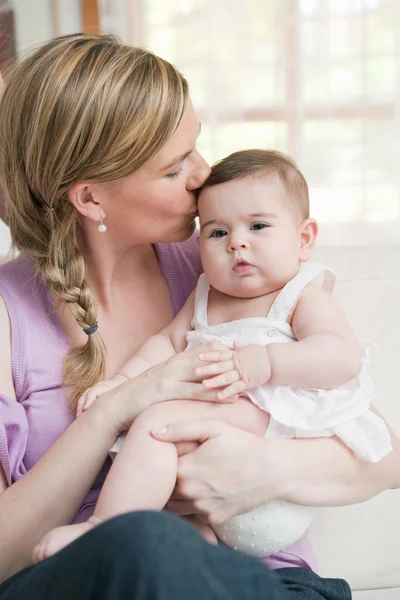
[(264, 163), (82, 107)]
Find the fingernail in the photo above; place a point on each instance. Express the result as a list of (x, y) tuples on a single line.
[(159, 430)]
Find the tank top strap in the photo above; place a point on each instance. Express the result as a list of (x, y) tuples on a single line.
[(201, 302), (286, 301)]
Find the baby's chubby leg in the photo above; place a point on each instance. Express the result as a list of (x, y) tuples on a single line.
[(143, 474)]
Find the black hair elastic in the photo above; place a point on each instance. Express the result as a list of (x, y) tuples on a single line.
[(92, 329)]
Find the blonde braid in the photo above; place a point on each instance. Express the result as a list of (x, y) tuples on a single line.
[(83, 365)]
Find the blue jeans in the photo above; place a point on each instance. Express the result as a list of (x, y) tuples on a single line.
[(157, 556)]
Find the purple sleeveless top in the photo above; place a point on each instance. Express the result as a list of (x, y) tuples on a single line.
[(30, 425)]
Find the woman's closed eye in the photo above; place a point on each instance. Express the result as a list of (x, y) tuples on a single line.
[(175, 174)]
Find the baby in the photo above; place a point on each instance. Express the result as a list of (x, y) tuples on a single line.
[(295, 368)]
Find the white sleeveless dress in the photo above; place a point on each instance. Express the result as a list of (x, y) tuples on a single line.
[(294, 412)]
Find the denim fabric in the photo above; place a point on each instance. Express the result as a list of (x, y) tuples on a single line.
[(157, 556), (303, 584)]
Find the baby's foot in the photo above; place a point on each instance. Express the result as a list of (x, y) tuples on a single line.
[(60, 537)]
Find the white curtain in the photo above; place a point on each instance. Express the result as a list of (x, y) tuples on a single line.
[(318, 79)]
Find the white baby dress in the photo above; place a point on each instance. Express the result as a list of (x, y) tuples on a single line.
[(294, 412)]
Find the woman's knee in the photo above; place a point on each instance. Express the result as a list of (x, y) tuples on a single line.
[(138, 536)]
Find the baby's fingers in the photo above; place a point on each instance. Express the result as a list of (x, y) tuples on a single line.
[(81, 404), (222, 380), (88, 398)]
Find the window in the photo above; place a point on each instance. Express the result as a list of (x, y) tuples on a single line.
[(318, 79)]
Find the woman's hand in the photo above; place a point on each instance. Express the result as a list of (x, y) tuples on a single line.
[(173, 379), (233, 471), (228, 474)]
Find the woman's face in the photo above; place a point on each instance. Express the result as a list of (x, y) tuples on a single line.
[(157, 203)]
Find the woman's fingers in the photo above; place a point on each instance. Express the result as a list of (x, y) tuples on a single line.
[(197, 391), (222, 380), (189, 431), (232, 391), (216, 368), (216, 356)]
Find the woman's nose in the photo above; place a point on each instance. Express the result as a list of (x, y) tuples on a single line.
[(200, 172)]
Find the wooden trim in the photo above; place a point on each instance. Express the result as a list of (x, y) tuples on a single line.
[(55, 9), (90, 16)]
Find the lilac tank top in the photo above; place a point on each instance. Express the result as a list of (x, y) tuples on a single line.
[(30, 425)]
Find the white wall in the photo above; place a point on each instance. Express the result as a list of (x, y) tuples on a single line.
[(34, 22)]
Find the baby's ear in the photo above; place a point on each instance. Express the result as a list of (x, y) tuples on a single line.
[(308, 233)]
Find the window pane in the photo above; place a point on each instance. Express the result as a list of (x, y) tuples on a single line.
[(332, 130), (218, 141), (346, 38), (381, 32), (381, 75)]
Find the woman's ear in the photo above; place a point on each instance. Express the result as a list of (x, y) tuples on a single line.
[(82, 198), (308, 233)]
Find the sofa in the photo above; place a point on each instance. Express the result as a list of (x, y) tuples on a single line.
[(361, 543)]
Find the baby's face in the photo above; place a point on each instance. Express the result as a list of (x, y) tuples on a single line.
[(250, 236)]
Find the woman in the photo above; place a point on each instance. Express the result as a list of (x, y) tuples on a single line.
[(97, 135)]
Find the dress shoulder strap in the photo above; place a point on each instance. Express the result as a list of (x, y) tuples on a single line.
[(284, 304), (201, 302)]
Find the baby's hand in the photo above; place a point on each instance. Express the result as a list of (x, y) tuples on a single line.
[(240, 369), (97, 390)]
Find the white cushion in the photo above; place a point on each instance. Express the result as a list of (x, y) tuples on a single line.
[(362, 543)]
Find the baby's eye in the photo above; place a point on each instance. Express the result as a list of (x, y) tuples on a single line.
[(258, 226), (218, 233)]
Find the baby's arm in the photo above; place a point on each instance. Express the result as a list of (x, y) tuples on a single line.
[(159, 347), (325, 355)]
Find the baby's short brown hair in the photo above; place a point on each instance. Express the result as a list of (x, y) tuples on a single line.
[(264, 163)]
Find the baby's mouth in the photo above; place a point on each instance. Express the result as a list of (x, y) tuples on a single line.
[(241, 266)]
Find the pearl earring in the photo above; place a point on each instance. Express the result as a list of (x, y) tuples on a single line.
[(102, 228)]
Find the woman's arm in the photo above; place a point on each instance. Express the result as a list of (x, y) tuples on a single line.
[(233, 471), (51, 493)]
